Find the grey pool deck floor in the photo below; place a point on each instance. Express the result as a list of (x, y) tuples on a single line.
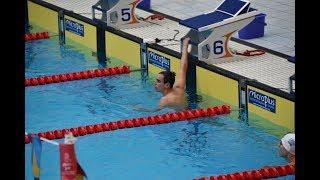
[(279, 36)]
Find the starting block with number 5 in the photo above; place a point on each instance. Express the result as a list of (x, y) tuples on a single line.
[(120, 14)]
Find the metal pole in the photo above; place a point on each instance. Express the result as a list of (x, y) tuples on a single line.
[(243, 102), (101, 44), (27, 25), (61, 26), (144, 60)]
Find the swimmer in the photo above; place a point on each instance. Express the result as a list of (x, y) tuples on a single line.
[(173, 89), (287, 148)]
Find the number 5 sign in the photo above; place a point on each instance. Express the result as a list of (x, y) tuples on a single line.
[(122, 15)]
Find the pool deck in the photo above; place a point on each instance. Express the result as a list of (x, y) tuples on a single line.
[(268, 69), (280, 18)]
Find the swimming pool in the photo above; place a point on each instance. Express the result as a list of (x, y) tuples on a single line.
[(181, 150)]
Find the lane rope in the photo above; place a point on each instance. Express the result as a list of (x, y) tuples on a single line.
[(93, 73), (135, 122), (36, 36), (263, 173)]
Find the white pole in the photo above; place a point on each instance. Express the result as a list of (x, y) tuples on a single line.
[(46, 140)]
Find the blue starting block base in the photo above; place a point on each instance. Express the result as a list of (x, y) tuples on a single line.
[(255, 29), (227, 9), (145, 5)]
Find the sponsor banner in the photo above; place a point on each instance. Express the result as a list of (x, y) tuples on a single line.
[(261, 100), (159, 61), (74, 27)]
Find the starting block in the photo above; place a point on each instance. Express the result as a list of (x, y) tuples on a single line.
[(211, 32), (120, 14)]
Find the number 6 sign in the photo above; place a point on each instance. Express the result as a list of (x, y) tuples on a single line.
[(215, 46)]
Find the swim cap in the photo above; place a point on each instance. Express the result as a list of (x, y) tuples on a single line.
[(288, 142)]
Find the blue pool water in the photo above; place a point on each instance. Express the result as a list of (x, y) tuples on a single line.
[(182, 150)]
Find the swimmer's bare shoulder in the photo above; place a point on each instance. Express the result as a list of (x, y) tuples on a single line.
[(173, 101), (164, 101)]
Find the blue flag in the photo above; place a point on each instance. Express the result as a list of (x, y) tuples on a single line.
[(36, 155)]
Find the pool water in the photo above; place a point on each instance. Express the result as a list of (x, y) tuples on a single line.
[(181, 150)]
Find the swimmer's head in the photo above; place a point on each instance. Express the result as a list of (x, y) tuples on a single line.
[(287, 145), (164, 80)]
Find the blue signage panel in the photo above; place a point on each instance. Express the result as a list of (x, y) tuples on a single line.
[(262, 100), (74, 27), (159, 61)]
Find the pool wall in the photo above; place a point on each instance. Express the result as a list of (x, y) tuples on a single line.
[(89, 38), (43, 16), (268, 107), (122, 48)]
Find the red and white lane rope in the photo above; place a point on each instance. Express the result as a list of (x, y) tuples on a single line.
[(263, 173), (36, 36), (93, 73), (135, 122)]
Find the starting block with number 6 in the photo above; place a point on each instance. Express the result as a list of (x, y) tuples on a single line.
[(211, 32)]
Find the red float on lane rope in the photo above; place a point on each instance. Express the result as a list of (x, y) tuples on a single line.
[(36, 36), (57, 78)]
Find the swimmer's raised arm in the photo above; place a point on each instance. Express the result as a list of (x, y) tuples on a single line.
[(181, 76)]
